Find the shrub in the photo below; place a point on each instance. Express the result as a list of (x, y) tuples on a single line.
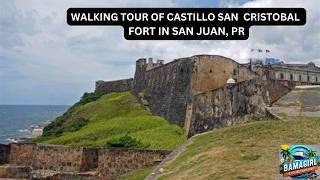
[(89, 97), (76, 125), (126, 141), (56, 127)]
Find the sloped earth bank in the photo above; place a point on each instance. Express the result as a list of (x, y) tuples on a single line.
[(248, 151), (244, 151), (110, 118)]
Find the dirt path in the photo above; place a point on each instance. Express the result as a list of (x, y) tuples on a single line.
[(171, 157)]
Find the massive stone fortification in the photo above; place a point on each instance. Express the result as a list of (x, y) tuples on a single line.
[(193, 92), (170, 88)]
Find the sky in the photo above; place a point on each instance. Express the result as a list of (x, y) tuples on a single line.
[(44, 61)]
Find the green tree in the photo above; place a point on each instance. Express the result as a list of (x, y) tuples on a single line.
[(285, 153), (312, 153)]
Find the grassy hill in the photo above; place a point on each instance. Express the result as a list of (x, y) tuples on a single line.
[(114, 119), (246, 151)]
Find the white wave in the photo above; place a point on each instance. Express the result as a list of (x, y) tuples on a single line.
[(11, 140), (23, 130)]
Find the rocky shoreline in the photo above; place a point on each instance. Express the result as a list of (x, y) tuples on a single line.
[(34, 131)]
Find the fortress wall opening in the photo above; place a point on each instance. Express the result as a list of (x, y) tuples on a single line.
[(4, 153)]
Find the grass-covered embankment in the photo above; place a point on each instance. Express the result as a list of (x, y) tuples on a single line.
[(115, 119), (246, 151)]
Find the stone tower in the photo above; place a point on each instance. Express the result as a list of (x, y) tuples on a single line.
[(139, 76)]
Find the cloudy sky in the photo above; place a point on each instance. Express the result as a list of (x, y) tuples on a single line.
[(45, 61)]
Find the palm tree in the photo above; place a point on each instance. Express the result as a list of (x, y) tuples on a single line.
[(312, 153), (285, 153)]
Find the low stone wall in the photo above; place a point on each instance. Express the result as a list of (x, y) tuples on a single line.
[(58, 158), (22, 154), (68, 161), (114, 162), (15, 172), (89, 159), (228, 105), (4, 153), (114, 86)]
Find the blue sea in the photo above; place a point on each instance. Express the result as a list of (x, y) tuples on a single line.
[(16, 120)]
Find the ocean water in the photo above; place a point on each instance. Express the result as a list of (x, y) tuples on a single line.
[(16, 120)]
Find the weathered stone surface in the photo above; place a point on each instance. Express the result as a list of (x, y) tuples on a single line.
[(89, 159), (59, 158), (228, 105), (278, 88), (51, 157), (170, 88), (4, 153), (114, 86), (22, 154), (54, 162), (9, 171), (211, 72), (72, 176), (114, 162), (56, 175)]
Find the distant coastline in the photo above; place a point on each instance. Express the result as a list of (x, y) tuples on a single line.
[(23, 122), (33, 131)]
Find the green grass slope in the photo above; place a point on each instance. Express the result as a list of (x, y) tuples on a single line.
[(246, 151), (96, 120)]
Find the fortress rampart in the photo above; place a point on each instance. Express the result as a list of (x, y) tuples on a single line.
[(114, 86), (169, 88), (203, 92), (228, 105)]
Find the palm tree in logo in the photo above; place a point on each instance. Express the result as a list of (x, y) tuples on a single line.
[(312, 153), (285, 152)]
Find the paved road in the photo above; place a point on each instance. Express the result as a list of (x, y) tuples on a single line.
[(299, 102)]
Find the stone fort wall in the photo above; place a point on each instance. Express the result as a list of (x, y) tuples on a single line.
[(211, 72), (114, 86), (191, 92), (278, 88), (227, 106), (113, 162), (167, 88), (50, 157)]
